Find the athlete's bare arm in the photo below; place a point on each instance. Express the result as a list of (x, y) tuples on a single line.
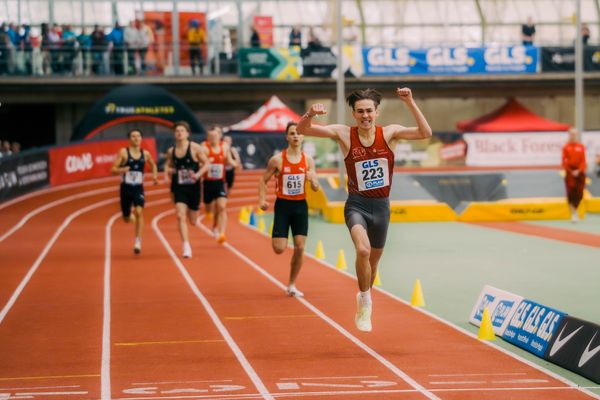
[(230, 159), (199, 153), (339, 133), (150, 160), (395, 133), (169, 166), (273, 167), (236, 157), (117, 165), (311, 174)]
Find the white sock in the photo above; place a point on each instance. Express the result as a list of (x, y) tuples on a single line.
[(365, 297)]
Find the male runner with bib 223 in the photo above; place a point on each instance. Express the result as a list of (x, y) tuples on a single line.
[(368, 151)]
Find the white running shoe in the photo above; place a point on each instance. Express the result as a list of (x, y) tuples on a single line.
[(363, 315), (187, 250), (293, 291), (574, 217), (137, 247)]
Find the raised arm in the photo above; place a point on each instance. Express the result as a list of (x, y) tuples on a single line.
[(311, 174), (117, 167), (394, 133), (272, 169), (150, 161), (306, 127)]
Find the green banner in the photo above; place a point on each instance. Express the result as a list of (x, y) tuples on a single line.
[(280, 64)]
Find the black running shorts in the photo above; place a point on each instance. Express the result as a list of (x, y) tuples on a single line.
[(290, 214), (131, 195), (372, 213), (213, 190), (188, 195)]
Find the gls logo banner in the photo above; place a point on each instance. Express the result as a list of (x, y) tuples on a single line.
[(450, 60), (532, 326), (576, 346), (501, 305)]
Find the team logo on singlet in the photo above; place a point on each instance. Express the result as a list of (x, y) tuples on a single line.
[(358, 152), (287, 170)]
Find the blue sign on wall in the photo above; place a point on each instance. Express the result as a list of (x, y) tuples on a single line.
[(382, 61), (532, 326)]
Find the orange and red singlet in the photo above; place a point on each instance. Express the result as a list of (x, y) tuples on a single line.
[(216, 171), (370, 169), (291, 178)]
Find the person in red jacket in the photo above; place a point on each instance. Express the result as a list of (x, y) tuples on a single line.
[(573, 162)]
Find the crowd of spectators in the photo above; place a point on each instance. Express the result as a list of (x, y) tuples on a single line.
[(58, 49)]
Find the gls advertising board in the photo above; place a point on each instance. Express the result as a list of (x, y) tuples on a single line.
[(500, 304), (381, 61), (532, 327), (23, 173)]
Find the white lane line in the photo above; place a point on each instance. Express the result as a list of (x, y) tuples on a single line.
[(105, 385), (458, 382), (43, 387), (397, 371), (211, 312), (60, 188), (176, 382), (356, 393), (64, 200), (330, 377), (45, 251), (51, 394), (490, 374)]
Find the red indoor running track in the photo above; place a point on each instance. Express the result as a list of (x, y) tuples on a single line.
[(82, 317)]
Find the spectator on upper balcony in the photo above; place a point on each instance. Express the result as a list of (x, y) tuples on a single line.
[(54, 41), (313, 40), (116, 38), (585, 33), (68, 49), (254, 38), (296, 37), (4, 48), (528, 32), (26, 46), (196, 36), (137, 41), (99, 44)]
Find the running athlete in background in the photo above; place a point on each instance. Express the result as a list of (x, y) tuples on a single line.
[(130, 164), (183, 168), (230, 169), (215, 194), (293, 169), (573, 162), (368, 151)]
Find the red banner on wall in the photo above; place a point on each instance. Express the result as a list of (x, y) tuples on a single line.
[(264, 27), (88, 160)]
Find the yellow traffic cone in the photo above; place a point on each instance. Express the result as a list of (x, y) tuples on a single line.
[(377, 281), (341, 261), (271, 229), (320, 252), (244, 216), (261, 225), (486, 330), (417, 299), (260, 211)]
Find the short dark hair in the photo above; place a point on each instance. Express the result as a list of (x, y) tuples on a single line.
[(134, 130), (184, 124), (215, 126), (366, 94), (289, 125)]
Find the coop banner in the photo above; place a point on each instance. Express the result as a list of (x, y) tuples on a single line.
[(88, 160), (381, 61)]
